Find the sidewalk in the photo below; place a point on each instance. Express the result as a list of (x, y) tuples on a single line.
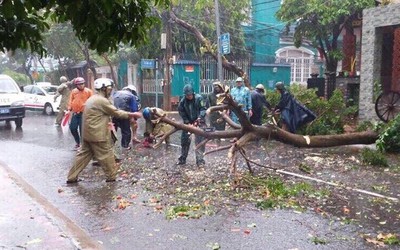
[(25, 222)]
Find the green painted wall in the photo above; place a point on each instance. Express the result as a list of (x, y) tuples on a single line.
[(185, 72), (269, 74)]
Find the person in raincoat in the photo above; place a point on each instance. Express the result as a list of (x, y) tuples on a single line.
[(241, 94), (64, 90), (96, 132), (259, 102), (134, 124), (293, 113), (124, 100), (192, 110), (155, 128), (216, 120)]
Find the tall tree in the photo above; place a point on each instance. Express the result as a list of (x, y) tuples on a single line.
[(185, 15), (201, 14), (103, 24), (62, 44), (320, 23)]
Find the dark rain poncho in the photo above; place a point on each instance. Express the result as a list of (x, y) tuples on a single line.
[(293, 113)]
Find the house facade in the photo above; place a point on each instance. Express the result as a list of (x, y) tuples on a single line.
[(380, 60), (265, 38)]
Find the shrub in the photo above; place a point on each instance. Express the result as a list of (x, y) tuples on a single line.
[(374, 158), (364, 126), (389, 138)]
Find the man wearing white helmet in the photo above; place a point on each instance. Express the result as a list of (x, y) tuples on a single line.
[(64, 90), (241, 94), (96, 132), (125, 100), (259, 101)]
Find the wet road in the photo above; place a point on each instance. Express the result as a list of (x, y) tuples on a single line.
[(40, 155)]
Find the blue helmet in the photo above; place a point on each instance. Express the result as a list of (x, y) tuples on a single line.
[(146, 113)]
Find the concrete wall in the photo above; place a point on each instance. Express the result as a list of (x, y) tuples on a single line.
[(374, 20)]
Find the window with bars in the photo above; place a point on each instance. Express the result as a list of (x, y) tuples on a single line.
[(301, 61)]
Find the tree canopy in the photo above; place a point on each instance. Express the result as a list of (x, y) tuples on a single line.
[(102, 24), (320, 23), (201, 15)]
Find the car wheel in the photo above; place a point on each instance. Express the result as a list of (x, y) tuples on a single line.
[(48, 109), (18, 122), (8, 124)]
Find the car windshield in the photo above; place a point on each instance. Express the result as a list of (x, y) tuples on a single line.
[(51, 90), (7, 87)]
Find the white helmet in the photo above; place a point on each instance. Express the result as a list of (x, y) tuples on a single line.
[(63, 79), (130, 87), (260, 86), (103, 82), (239, 79)]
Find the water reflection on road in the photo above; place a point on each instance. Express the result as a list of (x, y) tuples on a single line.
[(39, 129)]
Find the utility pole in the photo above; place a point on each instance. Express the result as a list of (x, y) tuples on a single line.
[(167, 56), (220, 72)]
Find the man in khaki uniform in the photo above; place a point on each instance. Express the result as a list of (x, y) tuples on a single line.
[(96, 132), (64, 90)]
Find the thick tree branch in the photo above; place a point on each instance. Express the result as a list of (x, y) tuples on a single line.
[(208, 45)]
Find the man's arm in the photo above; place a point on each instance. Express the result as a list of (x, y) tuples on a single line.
[(59, 91), (265, 102), (248, 100)]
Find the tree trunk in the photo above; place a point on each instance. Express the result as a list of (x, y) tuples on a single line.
[(247, 132), (105, 56)]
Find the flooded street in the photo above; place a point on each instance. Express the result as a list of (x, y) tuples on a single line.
[(157, 205)]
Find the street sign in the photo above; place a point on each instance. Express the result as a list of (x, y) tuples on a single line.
[(148, 64), (225, 43)]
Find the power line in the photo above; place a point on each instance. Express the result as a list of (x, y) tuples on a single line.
[(266, 2)]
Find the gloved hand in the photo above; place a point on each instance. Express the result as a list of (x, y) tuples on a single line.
[(199, 122)]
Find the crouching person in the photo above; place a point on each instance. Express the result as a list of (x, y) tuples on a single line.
[(155, 128), (96, 132)]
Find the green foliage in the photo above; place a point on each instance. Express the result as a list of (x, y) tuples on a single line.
[(374, 158), (105, 24), (364, 126), (21, 79), (188, 211), (272, 97), (61, 42), (278, 192), (102, 24), (389, 138), (232, 15), (392, 240), (377, 90), (22, 24), (320, 22), (318, 241)]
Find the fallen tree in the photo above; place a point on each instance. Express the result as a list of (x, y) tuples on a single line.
[(246, 132)]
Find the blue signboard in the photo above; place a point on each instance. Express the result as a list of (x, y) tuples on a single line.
[(225, 43), (148, 64)]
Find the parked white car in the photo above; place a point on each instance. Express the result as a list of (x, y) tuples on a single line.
[(11, 101), (41, 97)]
